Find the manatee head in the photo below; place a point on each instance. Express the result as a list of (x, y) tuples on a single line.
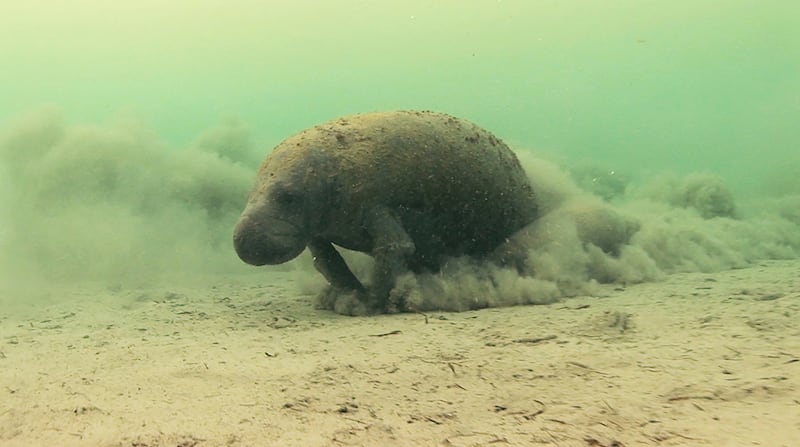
[(282, 210)]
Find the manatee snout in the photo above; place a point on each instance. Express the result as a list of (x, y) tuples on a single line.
[(261, 240)]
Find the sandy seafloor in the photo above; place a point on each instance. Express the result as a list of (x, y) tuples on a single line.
[(695, 359)]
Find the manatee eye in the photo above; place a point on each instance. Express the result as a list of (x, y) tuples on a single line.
[(286, 197)]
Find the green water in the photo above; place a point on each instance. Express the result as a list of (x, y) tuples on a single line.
[(648, 84), (130, 134), (144, 100)]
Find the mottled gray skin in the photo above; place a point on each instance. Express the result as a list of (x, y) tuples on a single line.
[(408, 188)]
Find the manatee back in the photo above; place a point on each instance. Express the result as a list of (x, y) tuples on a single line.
[(456, 186)]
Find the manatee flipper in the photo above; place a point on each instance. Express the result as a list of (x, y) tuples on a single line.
[(330, 263), (391, 248)]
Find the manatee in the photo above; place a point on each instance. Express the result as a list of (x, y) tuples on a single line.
[(409, 188)]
